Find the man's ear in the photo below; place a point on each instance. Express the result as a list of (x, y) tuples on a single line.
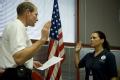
[(27, 11)]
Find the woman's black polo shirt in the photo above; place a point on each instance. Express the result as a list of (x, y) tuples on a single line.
[(101, 67)]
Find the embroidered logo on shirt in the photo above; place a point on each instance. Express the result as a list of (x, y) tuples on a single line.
[(102, 59)]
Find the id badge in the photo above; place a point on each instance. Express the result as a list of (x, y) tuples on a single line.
[(90, 77)]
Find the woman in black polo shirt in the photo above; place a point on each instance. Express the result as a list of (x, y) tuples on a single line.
[(99, 64)]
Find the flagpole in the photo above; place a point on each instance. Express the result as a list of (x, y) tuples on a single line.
[(78, 33)]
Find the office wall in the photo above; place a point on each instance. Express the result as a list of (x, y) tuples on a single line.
[(100, 15)]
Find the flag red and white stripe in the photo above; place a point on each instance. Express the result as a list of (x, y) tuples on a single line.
[(56, 45)]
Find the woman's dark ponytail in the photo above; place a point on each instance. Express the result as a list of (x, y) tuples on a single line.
[(106, 45)]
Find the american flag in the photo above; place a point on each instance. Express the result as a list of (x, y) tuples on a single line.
[(56, 45)]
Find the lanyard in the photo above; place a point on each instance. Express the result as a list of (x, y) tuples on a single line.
[(90, 75)]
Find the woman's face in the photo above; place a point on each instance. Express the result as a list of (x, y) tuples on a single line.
[(95, 40)]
